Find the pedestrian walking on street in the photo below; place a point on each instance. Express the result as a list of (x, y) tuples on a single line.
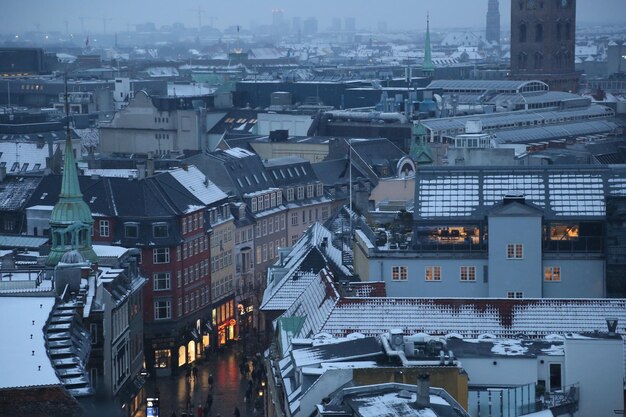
[(211, 382), (195, 372), (200, 413), (209, 402), (236, 413)]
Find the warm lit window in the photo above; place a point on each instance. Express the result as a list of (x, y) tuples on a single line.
[(514, 251), (433, 273), (552, 273), (468, 273), (399, 273)]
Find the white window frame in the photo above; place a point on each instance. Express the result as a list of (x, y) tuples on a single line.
[(161, 281), (158, 252), (515, 251), (552, 274), (104, 228), (167, 306), (432, 273), (468, 273), (399, 273)]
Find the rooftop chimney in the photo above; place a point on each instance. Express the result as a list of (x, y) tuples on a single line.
[(150, 165), (611, 323), (423, 391), (141, 171)]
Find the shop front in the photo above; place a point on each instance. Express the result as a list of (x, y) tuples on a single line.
[(170, 354), (223, 317)]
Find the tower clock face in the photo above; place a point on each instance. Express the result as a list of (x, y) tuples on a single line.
[(564, 3)]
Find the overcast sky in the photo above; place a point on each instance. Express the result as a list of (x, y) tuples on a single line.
[(24, 15)]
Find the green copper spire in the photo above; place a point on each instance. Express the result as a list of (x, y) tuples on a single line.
[(71, 222), (428, 68)]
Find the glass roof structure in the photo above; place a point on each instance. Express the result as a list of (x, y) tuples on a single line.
[(563, 192), (501, 86)]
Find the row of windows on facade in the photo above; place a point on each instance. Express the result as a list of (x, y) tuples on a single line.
[(268, 252), (161, 120), (196, 300), (266, 201), (538, 4), (537, 121), (159, 230), (192, 247), (220, 237), (255, 177), (192, 301), (162, 281), (311, 219), (268, 226), (466, 273), (219, 214), (16, 166), (562, 32), (558, 59)]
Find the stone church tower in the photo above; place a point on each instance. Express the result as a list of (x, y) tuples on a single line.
[(543, 36)]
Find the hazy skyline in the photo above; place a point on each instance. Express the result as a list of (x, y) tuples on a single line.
[(399, 14)]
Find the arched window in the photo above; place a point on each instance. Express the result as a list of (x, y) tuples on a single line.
[(522, 60), (522, 32), (539, 32), (538, 60)]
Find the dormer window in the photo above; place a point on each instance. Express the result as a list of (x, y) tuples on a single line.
[(289, 194), (160, 230), (320, 189), (131, 230)]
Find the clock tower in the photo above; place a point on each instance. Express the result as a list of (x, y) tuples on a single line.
[(543, 41)]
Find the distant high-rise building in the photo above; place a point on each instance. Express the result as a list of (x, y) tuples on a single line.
[(349, 24), (310, 26), (335, 25), (278, 21), (296, 24), (493, 21), (543, 36)]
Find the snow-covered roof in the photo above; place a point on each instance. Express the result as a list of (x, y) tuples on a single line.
[(300, 267), (109, 251), (23, 358), (560, 193), (198, 184), (239, 152)]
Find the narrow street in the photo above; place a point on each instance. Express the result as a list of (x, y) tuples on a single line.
[(229, 388)]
